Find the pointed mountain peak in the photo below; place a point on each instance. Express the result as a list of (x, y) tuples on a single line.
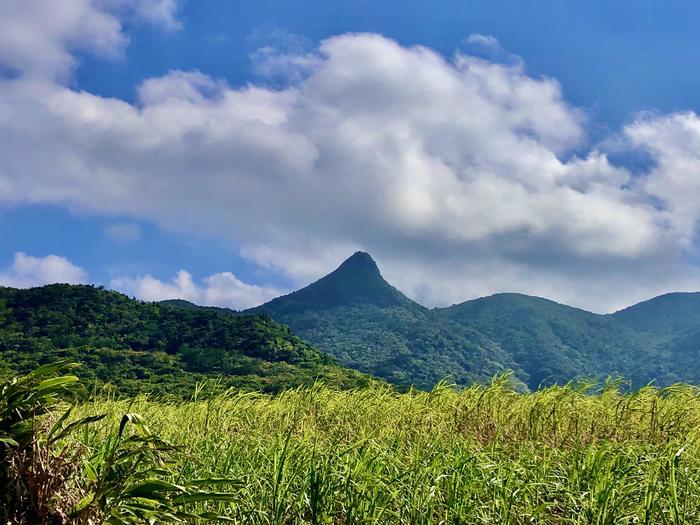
[(356, 281), (360, 263), (360, 256)]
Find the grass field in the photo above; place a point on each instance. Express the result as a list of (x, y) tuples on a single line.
[(482, 455)]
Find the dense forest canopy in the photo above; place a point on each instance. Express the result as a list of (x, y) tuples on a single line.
[(366, 323), (134, 346)]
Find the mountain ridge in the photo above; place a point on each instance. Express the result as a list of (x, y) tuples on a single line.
[(359, 320), (675, 310), (159, 348), (366, 323), (541, 340)]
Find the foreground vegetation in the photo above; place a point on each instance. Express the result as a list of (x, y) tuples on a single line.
[(482, 455), (485, 455)]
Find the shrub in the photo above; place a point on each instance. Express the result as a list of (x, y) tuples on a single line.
[(50, 480)]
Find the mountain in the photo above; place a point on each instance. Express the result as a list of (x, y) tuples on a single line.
[(552, 342), (671, 313), (162, 348), (353, 317), (671, 322), (356, 282), (365, 323)]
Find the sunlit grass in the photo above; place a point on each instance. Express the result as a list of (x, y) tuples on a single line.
[(481, 455)]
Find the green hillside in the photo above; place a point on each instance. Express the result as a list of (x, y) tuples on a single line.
[(356, 282), (365, 323), (552, 342), (671, 323), (164, 348), (668, 314), (355, 318)]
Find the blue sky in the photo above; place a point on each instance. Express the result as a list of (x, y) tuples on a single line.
[(613, 58), (617, 79)]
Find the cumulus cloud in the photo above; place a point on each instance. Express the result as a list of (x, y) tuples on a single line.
[(456, 173), (27, 271), (220, 289), (281, 57), (673, 142), (40, 37)]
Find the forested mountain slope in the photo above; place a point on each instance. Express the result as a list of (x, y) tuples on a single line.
[(156, 347), (671, 324), (552, 342), (668, 314), (356, 318), (366, 323)]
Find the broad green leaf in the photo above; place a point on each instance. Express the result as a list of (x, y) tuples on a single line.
[(204, 496), (151, 486), (56, 382)]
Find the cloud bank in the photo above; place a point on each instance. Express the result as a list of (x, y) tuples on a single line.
[(461, 176)]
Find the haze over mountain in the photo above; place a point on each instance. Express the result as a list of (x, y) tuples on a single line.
[(366, 323)]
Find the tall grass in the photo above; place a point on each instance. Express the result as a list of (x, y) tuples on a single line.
[(46, 478), (482, 455)]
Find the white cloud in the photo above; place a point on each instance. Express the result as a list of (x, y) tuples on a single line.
[(157, 12), (282, 57), (220, 289), (40, 37), (124, 232), (673, 141), (487, 42), (489, 47), (27, 271), (456, 174)]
